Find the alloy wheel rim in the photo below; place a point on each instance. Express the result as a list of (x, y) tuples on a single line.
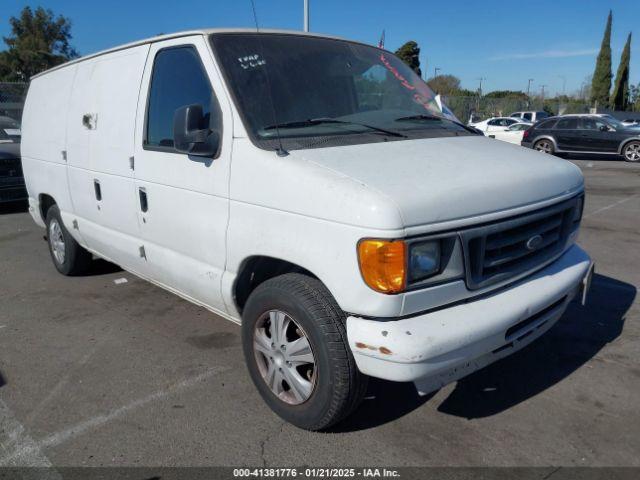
[(632, 152), (284, 356), (544, 147), (56, 240)]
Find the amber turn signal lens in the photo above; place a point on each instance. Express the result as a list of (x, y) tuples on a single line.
[(383, 264)]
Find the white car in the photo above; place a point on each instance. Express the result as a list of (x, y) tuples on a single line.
[(495, 124), (513, 134), (348, 238), (631, 122), (531, 116)]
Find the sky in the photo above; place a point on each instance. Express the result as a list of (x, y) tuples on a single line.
[(554, 42)]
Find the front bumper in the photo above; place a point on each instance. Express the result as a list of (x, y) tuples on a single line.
[(440, 347)]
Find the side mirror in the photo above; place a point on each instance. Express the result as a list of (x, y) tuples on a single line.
[(191, 135)]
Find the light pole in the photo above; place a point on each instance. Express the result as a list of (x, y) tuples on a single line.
[(564, 83), (542, 87), (480, 92), (306, 15), (528, 92), (435, 72)]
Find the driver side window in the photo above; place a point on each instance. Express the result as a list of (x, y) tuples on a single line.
[(178, 79), (592, 124)]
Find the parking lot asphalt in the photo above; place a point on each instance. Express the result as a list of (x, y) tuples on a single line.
[(98, 372)]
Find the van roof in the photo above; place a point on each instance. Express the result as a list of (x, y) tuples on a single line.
[(186, 33)]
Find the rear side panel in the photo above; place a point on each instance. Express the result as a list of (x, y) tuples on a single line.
[(100, 132), (44, 138)]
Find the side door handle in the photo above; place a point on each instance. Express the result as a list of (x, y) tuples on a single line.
[(97, 189), (144, 204)]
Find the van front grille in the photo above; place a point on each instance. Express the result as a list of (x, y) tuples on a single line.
[(501, 251)]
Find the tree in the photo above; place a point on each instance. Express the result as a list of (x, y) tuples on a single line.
[(445, 84), (620, 99), (38, 41), (409, 53), (515, 94), (634, 97), (601, 83)]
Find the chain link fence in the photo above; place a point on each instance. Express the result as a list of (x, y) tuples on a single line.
[(12, 96), (486, 107)]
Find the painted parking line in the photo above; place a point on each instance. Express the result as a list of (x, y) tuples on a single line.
[(18, 449), (28, 450), (615, 204)]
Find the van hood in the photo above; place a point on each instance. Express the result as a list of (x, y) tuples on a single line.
[(445, 179)]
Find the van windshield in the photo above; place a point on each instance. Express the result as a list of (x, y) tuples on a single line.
[(319, 92)]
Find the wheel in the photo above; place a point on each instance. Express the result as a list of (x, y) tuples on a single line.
[(68, 256), (544, 146), (631, 152), (295, 346)]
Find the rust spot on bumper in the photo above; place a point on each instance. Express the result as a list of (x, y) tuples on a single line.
[(383, 350), (364, 345)]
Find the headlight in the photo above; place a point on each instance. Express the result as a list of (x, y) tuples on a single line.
[(424, 260), (395, 266)]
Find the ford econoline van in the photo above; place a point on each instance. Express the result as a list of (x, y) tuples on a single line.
[(309, 189)]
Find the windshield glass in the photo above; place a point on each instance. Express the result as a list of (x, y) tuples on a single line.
[(613, 121), (316, 92)]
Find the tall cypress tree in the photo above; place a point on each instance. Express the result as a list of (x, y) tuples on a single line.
[(409, 53), (601, 83), (620, 99)]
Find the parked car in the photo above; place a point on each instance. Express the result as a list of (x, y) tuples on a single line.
[(584, 134), (631, 122), (513, 134), (495, 124), (347, 241), (627, 123), (12, 188), (530, 116), (9, 130)]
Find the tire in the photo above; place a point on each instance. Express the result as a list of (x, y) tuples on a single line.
[(631, 152), (545, 146), (327, 390), (68, 256)]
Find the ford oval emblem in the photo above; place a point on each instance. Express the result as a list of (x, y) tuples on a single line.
[(534, 242)]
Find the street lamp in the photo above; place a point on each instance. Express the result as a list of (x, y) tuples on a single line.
[(564, 83), (306, 15), (435, 71), (479, 93)]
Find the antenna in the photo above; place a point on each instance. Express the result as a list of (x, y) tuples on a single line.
[(306, 15), (280, 150)]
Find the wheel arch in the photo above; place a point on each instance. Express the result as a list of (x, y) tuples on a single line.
[(545, 137), (257, 269), (626, 141), (45, 202)]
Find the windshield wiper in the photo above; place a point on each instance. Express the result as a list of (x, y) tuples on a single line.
[(411, 118), (318, 121), (422, 116)]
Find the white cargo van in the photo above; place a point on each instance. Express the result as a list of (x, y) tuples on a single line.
[(310, 189)]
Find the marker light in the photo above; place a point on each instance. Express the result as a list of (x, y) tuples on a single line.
[(382, 264)]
